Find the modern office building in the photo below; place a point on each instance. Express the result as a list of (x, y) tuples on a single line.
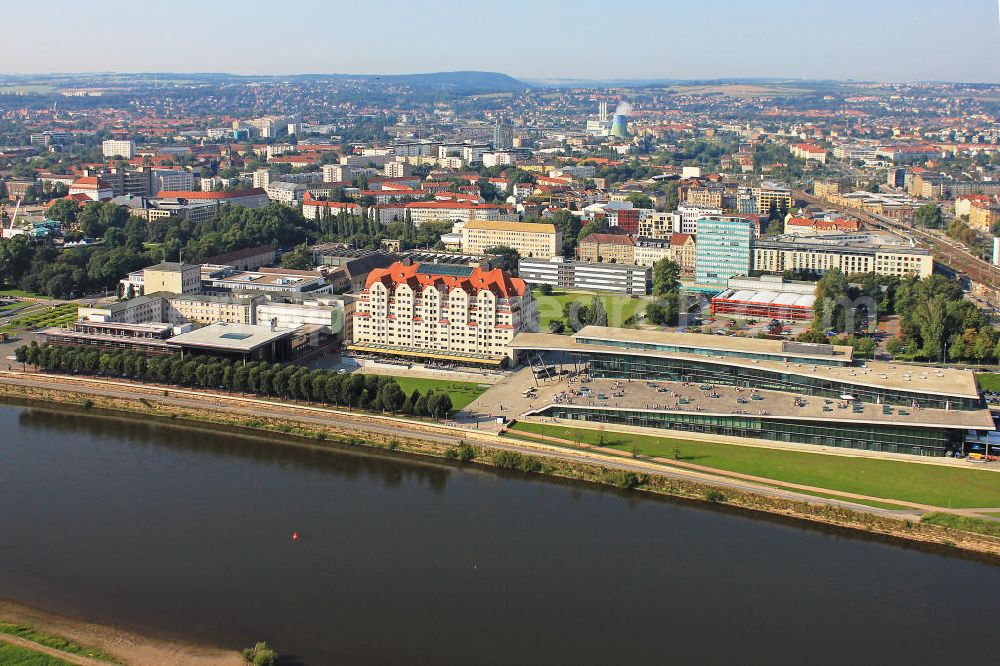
[(723, 249), (851, 253), (790, 391), (503, 136), (149, 338), (118, 148), (587, 276), (242, 342), (449, 313)]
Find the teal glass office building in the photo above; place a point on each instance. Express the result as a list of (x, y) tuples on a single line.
[(723, 249)]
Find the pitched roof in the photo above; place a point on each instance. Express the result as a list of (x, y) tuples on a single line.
[(609, 239), (419, 276), (499, 225), (196, 194)]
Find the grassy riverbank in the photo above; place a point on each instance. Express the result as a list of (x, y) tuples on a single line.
[(212, 410), (936, 485), (54, 642), (42, 638)]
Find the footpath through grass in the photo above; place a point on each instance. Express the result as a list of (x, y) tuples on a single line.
[(54, 642), (13, 655), (461, 393), (936, 485)]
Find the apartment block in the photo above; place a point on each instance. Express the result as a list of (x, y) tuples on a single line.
[(538, 240), (449, 312)]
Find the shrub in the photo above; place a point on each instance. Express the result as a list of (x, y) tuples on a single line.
[(515, 461), (260, 655), (714, 497), (466, 452)]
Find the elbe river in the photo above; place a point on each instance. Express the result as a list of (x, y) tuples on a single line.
[(186, 533)]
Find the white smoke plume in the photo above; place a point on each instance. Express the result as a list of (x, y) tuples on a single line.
[(624, 109)]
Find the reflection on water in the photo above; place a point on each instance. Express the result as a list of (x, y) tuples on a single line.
[(186, 533), (252, 446)]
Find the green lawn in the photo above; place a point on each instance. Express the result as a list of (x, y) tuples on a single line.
[(51, 641), (988, 527), (462, 393), (11, 655), (948, 487), (18, 293), (618, 307), (988, 381)]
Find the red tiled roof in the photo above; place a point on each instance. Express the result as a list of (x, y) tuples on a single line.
[(496, 280), (609, 239)]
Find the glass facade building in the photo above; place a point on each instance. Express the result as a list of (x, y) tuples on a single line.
[(889, 438), (723, 249), (661, 368)]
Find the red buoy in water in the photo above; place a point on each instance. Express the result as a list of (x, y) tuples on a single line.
[(295, 536)]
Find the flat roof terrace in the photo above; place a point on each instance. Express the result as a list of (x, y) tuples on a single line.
[(875, 374), (644, 339), (243, 338), (685, 397)]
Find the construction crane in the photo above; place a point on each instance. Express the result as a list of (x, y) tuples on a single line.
[(13, 217)]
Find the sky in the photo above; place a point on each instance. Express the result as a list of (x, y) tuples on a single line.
[(882, 40)]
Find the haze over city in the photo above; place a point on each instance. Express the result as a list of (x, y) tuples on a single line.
[(883, 40)]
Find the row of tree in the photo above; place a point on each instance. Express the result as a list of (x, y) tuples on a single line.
[(355, 391)]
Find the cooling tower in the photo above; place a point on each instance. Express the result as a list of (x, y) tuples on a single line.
[(618, 126)]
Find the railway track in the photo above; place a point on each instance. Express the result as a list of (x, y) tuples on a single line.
[(945, 252)]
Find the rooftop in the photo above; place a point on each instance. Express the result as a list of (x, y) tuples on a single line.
[(640, 396), (877, 374), (499, 225), (231, 337)]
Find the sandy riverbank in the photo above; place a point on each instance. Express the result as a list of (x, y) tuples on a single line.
[(129, 647)]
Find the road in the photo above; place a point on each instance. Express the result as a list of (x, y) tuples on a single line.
[(398, 427), (946, 250)]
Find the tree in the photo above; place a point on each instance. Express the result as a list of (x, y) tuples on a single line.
[(439, 405), (545, 290), (420, 407), (928, 216), (775, 227), (510, 256), (893, 346), (557, 326), (63, 210), (391, 396), (666, 277), (598, 315), (299, 259), (569, 226), (639, 200)]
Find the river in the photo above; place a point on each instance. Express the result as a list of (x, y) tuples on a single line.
[(186, 533)]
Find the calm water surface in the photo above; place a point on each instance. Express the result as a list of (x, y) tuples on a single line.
[(186, 533)]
